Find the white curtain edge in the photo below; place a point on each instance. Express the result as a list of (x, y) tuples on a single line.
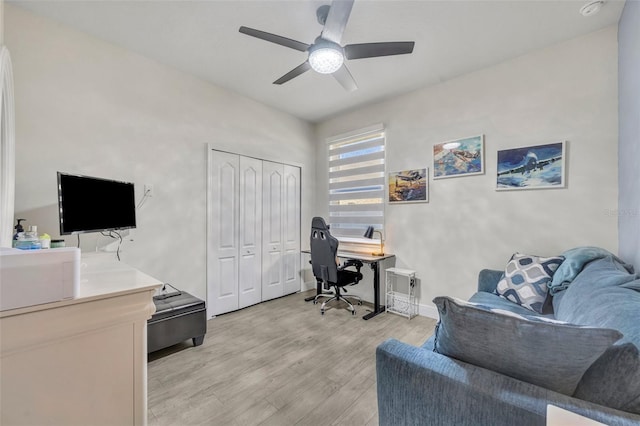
[(7, 149)]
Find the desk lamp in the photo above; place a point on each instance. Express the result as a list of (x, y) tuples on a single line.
[(369, 234)]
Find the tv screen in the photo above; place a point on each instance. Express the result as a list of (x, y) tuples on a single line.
[(90, 204)]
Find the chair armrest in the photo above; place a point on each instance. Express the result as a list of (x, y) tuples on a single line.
[(488, 280), (420, 387), (350, 262)]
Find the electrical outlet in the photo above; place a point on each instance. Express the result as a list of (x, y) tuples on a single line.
[(148, 190)]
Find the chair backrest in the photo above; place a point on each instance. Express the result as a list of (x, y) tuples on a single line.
[(324, 248)]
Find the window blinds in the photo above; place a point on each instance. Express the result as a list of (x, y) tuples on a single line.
[(356, 182)]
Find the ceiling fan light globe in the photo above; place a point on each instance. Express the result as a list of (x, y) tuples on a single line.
[(326, 60)]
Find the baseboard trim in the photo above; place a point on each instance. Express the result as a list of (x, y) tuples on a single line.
[(428, 311), (311, 285)]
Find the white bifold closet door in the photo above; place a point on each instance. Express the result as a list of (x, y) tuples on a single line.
[(222, 230), (250, 240), (253, 247), (280, 230), (291, 229)]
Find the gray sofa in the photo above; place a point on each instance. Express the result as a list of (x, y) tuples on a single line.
[(418, 386)]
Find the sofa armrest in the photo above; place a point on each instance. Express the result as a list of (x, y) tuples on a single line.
[(488, 280), (420, 387)]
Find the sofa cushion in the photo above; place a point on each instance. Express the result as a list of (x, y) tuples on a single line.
[(603, 295), (525, 280), (536, 350), (492, 300), (487, 301), (614, 379)]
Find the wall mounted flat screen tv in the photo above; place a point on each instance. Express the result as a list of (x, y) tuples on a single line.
[(90, 204)]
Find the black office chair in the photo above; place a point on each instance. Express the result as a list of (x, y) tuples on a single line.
[(324, 248)]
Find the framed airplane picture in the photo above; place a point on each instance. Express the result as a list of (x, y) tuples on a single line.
[(532, 167), (460, 157), (409, 186)]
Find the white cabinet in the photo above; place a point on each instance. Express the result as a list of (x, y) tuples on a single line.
[(253, 236), (81, 361)]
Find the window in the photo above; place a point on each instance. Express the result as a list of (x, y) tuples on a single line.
[(356, 183)]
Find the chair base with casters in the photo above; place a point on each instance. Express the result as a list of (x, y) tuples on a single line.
[(337, 296), (345, 277)]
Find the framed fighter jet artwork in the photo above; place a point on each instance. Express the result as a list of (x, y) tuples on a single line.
[(409, 186), (460, 157), (532, 167)]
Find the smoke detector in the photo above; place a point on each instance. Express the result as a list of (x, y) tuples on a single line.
[(591, 8)]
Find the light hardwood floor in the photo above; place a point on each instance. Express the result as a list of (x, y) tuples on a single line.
[(277, 363)]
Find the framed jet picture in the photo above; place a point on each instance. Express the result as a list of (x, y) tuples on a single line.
[(532, 167), (409, 186), (460, 157)]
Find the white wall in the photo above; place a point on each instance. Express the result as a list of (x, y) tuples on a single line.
[(629, 110), (88, 107), (1, 22), (565, 92)]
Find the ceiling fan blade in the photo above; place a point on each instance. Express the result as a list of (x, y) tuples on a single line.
[(345, 78), (337, 20), (282, 41), (372, 50), (304, 67)]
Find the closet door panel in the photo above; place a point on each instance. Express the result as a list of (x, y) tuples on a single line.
[(291, 229), (250, 271), (222, 241), (272, 219)]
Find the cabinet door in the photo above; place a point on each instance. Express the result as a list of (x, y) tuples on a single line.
[(222, 244), (272, 219), (291, 229), (250, 273)]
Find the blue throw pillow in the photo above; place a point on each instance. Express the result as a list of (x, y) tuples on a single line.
[(604, 294), (525, 280), (547, 353)]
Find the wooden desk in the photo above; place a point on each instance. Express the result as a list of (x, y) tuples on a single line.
[(373, 262)]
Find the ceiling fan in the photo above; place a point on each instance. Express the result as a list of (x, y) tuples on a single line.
[(326, 54)]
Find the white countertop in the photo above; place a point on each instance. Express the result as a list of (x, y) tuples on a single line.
[(101, 277)]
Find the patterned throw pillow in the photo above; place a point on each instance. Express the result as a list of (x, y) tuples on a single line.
[(525, 280)]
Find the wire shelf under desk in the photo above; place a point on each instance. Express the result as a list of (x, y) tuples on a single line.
[(397, 301)]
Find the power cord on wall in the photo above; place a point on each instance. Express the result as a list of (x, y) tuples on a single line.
[(145, 196), (115, 235)]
